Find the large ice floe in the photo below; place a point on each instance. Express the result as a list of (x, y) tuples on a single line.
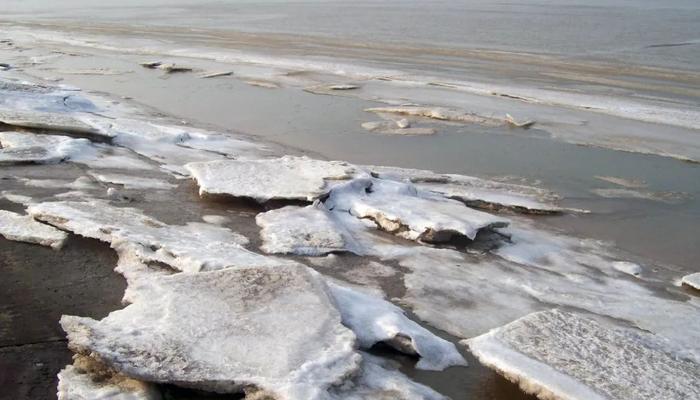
[(24, 228), (375, 320), (402, 209), (191, 247), (285, 178), (270, 328), (560, 355)]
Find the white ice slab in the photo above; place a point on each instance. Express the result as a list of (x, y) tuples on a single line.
[(556, 354), (23, 228), (132, 182), (287, 178), (274, 328), (376, 320), (692, 280), (191, 247), (87, 380), (402, 209), (310, 231)]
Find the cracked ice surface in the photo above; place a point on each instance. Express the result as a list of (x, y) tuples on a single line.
[(402, 209), (310, 230), (287, 178), (23, 228), (557, 354), (190, 248), (274, 328), (375, 320)]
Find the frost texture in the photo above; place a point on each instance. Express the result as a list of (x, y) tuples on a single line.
[(376, 320), (273, 328), (192, 247), (401, 209), (23, 228), (556, 354), (287, 178)]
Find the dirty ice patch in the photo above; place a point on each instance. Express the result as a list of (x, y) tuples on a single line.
[(311, 231), (557, 354), (87, 379), (192, 247), (285, 178), (375, 320), (400, 208), (23, 228), (281, 333)]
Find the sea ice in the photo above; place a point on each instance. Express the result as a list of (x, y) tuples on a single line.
[(87, 379), (692, 280), (375, 320), (272, 328), (402, 209), (627, 267), (23, 228), (192, 247), (49, 121), (557, 354), (310, 230), (287, 178), (453, 115), (132, 182)]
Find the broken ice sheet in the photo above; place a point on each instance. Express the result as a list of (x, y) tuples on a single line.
[(132, 182), (87, 379), (285, 178), (376, 320), (272, 328), (23, 228), (191, 247), (557, 354), (310, 230), (402, 209)]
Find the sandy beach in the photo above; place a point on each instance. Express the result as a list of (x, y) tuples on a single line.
[(192, 209)]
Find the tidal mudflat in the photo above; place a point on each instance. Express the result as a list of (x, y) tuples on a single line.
[(190, 219)]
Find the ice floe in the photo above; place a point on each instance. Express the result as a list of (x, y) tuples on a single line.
[(627, 267), (132, 182), (287, 178), (87, 379), (191, 247), (626, 193), (453, 115), (310, 230), (557, 354), (375, 320), (400, 208), (396, 128), (692, 280), (281, 332), (23, 228)]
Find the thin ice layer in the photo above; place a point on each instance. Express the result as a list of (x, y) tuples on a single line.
[(375, 320), (274, 328), (23, 228), (132, 182), (87, 379), (401, 209), (191, 247), (557, 354), (310, 231), (285, 178)]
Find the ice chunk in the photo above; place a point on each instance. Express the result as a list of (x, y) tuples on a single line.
[(310, 230), (627, 267), (82, 182), (376, 320), (557, 354), (133, 182), (274, 328), (87, 379), (49, 121), (402, 209), (23, 228), (216, 219), (287, 178), (379, 379), (620, 193), (191, 247), (394, 128), (692, 280), (453, 115)]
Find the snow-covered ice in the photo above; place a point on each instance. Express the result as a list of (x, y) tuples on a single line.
[(274, 328), (557, 354), (310, 230), (375, 320), (23, 228), (87, 379), (286, 178), (400, 208), (192, 247), (692, 280)]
